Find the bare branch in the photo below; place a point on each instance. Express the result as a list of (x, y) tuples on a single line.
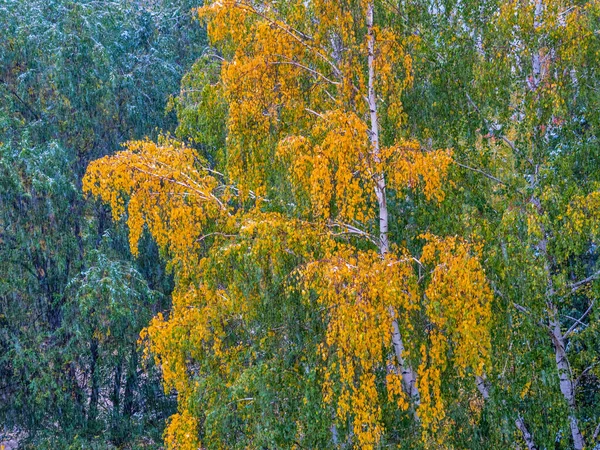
[(349, 229), (529, 313), (23, 102), (586, 370), (201, 238), (308, 69), (527, 436), (596, 431), (491, 177), (580, 283), (579, 321), (315, 113)]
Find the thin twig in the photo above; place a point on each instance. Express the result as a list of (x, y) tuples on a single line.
[(587, 369), (583, 316), (308, 69), (474, 169), (578, 284), (216, 234)]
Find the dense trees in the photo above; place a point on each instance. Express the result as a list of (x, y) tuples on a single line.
[(322, 104), (529, 124), (377, 222), (304, 91), (76, 80)]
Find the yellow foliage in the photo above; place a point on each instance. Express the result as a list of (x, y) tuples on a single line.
[(361, 292), (295, 88), (335, 167), (411, 167), (181, 432), (167, 189), (459, 299), (270, 62), (458, 305), (583, 215), (330, 166)]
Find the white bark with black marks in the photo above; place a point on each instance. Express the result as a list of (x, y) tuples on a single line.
[(527, 436), (409, 376)]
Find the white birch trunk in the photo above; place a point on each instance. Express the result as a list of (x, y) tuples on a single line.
[(536, 62), (409, 376), (527, 436), (567, 385), (384, 244), (482, 386), (484, 390)]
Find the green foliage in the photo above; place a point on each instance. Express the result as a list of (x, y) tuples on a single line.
[(528, 146), (77, 78)]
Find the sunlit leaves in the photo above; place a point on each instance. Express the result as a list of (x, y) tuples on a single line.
[(166, 188), (295, 82)]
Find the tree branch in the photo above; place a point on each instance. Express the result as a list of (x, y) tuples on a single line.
[(495, 127), (527, 436), (308, 69), (491, 177), (578, 284), (586, 370), (18, 97), (295, 34), (353, 230)]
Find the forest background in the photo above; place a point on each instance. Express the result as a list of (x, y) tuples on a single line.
[(290, 224)]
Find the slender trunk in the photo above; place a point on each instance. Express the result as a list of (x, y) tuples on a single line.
[(130, 383), (536, 60), (527, 436), (484, 390), (77, 391), (567, 386), (384, 245), (482, 386), (116, 394), (334, 436), (95, 390), (409, 376)]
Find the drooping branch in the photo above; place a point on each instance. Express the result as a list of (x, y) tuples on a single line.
[(300, 37), (306, 68), (485, 174), (20, 99)]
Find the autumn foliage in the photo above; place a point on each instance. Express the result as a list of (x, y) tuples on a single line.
[(296, 82), (289, 271)]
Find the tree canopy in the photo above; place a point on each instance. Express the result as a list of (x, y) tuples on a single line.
[(376, 222)]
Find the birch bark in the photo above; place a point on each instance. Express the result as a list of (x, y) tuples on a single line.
[(409, 376), (567, 385), (527, 437)]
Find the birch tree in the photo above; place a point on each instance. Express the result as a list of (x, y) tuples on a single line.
[(523, 76), (314, 150)]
